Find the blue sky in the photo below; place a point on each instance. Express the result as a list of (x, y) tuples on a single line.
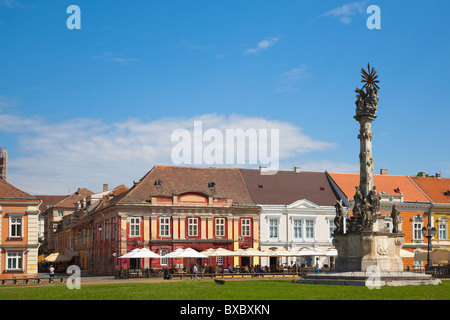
[(79, 108)]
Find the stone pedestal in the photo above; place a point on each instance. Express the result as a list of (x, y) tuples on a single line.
[(360, 250)]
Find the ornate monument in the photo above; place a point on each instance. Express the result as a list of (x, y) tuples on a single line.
[(363, 240), (368, 253)]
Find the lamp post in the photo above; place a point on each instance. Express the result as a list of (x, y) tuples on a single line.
[(431, 232)]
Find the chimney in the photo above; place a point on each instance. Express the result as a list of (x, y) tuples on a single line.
[(384, 172), (105, 187), (438, 175), (297, 169), (262, 169), (422, 174), (3, 164), (79, 191)]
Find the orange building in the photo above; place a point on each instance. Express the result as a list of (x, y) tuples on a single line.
[(438, 190), (413, 204), (18, 232)]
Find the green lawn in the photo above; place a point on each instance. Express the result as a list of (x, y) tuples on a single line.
[(231, 290)]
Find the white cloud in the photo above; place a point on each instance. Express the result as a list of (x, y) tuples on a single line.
[(6, 102), (55, 157), (13, 4), (262, 45), (288, 80), (115, 57), (345, 12)]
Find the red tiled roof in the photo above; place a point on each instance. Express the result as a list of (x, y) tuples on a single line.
[(69, 201), (437, 189), (229, 184), (49, 201), (389, 184), (8, 191), (286, 187)]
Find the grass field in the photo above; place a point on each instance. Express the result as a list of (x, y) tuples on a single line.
[(231, 290)]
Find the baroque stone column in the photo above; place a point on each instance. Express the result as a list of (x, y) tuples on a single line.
[(366, 242), (365, 156)]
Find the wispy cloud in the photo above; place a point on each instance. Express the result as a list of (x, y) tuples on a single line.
[(344, 13), (6, 102), (288, 80), (53, 157), (13, 4), (115, 57), (262, 45)]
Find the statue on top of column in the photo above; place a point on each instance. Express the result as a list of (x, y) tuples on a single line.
[(367, 101)]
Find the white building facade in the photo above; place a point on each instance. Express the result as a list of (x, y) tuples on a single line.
[(303, 228)]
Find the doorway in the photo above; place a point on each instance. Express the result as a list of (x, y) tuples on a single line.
[(245, 261)]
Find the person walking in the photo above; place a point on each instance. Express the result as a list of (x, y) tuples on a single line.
[(51, 271), (318, 265), (195, 269)]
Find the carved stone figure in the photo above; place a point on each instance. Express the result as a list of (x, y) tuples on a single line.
[(366, 101), (358, 202), (371, 100), (366, 215), (360, 99), (375, 201), (339, 219), (395, 215)]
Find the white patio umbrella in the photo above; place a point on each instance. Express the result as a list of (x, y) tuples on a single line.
[(440, 255), (406, 254), (329, 253), (190, 253), (420, 255), (221, 252), (209, 252), (251, 252), (56, 257), (144, 253), (307, 252), (173, 254), (281, 253), (129, 254)]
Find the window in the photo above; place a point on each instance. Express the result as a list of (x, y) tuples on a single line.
[(245, 228), (15, 227), (14, 260), (304, 229), (417, 230), (220, 227), (192, 227), (309, 229), (164, 226), (60, 213), (164, 261), (219, 261), (135, 227), (331, 228), (273, 228), (442, 231), (298, 229)]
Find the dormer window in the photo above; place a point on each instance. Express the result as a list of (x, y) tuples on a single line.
[(158, 183), (260, 186), (211, 185), (397, 190), (447, 193)]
